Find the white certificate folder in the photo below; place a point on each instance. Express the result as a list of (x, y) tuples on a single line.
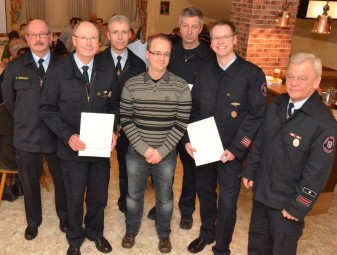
[(204, 137), (96, 132)]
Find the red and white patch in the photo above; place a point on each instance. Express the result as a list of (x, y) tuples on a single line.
[(304, 201), (264, 89), (329, 144), (246, 141)]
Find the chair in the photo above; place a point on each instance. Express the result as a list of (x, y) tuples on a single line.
[(5, 172), (3, 180)]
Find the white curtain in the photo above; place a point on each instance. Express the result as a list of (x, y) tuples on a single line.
[(35, 9), (106, 8), (80, 8)]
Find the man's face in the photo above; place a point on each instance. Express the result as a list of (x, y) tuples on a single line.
[(301, 81), (158, 55), (86, 41), (99, 23), (190, 29), (223, 40), (119, 34), (38, 37)]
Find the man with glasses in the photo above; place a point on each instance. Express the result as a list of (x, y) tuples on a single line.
[(234, 92), (155, 108), (118, 57), (188, 55), (80, 84), (23, 83), (290, 161)]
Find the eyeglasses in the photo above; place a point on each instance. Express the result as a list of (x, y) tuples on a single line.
[(224, 37), (41, 35), (85, 39), (160, 54)]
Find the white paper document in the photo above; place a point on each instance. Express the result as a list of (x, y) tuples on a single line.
[(204, 137), (96, 132)]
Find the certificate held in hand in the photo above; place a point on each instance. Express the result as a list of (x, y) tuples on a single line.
[(96, 132), (204, 137)]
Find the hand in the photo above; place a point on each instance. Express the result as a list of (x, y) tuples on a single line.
[(148, 153), (248, 183), (114, 141), (288, 216), (155, 157), (190, 149), (76, 144), (227, 156)]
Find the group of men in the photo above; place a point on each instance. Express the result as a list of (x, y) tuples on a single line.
[(291, 148)]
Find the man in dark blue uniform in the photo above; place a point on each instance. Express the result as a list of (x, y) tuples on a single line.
[(79, 84), (130, 65), (290, 161), (23, 83), (234, 92)]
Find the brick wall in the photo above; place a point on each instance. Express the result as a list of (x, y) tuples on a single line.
[(259, 40)]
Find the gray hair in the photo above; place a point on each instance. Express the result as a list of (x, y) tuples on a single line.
[(300, 58), (119, 19), (191, 12)]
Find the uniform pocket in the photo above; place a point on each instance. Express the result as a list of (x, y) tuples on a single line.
[(21, 84)]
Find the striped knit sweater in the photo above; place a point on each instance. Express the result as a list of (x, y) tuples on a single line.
[(155, 114)]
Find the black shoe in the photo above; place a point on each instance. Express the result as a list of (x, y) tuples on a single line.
[(186, 222), (31, 233), (165, 245), (152, 214), (198, 245), (128, 240), (9, 196), (72, 250), (17, 189), (64, 225), (102, 245)]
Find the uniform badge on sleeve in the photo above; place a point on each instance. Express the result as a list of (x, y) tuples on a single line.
[(304, 201), (264, 89), (329, 144), (246, 141)]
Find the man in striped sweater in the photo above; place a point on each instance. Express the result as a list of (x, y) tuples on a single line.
[(155, 109)]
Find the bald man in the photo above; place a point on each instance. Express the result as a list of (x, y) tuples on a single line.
[(23, 82), (79, 84)]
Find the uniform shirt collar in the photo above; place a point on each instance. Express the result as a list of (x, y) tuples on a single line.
[(230, 62), (46, 59), (80, 65), (124, 56), (298, 104)]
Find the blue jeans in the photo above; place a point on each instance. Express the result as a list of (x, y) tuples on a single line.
[(138, 171)]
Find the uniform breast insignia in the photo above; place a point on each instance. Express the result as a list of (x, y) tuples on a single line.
[(297, 138), (106, 94), (329, 144), (234, 113), (304, 201), (309, 192), (246, 141), (21, 78), (264, 89)]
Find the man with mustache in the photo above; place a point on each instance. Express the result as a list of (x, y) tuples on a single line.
[(21, 87)]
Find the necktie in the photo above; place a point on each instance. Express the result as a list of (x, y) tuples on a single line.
[(119, 66), (41, 69), (290, 109), (86, 77), (85, 74)]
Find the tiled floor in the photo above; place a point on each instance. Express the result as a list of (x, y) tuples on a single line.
[(320, 234)]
